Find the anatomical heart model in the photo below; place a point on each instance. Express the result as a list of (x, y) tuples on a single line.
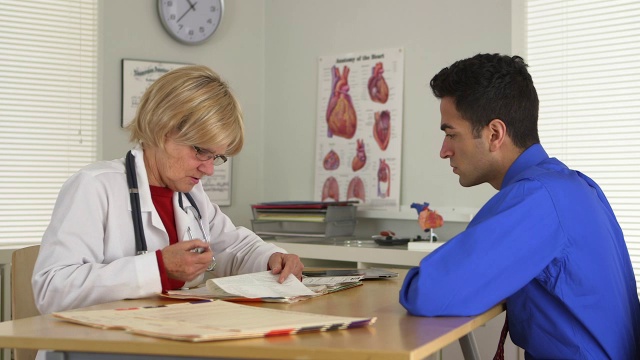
[(378, 89), (341, 116), (428, 219)]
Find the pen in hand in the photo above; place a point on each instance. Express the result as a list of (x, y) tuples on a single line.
[(213, 264), (198, 250)]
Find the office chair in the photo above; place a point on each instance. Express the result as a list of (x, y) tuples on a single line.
[(22, 302)]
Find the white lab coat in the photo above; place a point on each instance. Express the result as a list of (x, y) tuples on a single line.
[(88, 251)]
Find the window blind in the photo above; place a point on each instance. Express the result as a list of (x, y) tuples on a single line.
[(584, 57), (48, 114)]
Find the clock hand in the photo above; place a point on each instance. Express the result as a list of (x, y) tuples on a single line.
[(191, 7), (185, 13)]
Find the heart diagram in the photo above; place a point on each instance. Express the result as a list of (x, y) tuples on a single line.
[(382, 128), (378, 88), (384, 179), (360, 158), (359, 128), (341, 115), (331, 161)]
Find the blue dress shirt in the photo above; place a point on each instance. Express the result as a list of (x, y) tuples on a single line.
[(549, 243)]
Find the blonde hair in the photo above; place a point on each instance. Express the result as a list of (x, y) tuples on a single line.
[(193, 103)]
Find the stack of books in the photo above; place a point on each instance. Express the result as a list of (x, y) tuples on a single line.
[(304, 218)]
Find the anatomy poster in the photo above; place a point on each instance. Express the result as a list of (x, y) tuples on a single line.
[(359, 128)]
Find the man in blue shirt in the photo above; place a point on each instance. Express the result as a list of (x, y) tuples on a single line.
[(548, 242)]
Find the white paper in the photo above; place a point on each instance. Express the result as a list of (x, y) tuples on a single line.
[(258, 285)]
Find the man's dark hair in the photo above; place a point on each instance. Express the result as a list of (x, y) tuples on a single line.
[(493, 86)]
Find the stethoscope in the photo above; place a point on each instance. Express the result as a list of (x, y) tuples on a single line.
[(136, 213)]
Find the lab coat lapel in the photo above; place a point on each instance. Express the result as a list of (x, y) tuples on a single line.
[(146, 203), (184, 220)]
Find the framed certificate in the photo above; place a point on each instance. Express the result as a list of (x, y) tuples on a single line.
[(218, 186), (137, 75)]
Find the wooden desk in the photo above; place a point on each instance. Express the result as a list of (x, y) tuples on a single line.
[(395, 335)]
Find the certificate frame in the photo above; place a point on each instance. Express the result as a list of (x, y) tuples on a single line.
[(137, 76), (218, 186)]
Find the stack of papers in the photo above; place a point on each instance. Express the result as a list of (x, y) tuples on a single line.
[(210, 320), (304, 218), (264, 286), (307, 211)]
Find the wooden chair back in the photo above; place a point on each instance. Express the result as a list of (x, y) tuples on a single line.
[(22, 302)]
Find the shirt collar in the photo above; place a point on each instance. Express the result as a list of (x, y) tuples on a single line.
[(530, 157)]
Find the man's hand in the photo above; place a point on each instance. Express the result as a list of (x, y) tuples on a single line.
[(285, 264), (183, 263)]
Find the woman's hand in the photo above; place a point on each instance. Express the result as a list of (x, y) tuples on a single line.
[(285, 264), (183, 260)]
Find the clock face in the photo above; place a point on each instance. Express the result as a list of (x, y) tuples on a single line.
[(190, 21)]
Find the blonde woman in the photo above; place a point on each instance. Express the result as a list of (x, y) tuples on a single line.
[(142, 224)]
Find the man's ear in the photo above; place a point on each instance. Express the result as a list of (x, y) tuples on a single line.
[(497, 134)]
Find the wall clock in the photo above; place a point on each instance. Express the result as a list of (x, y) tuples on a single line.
[(191, 22)]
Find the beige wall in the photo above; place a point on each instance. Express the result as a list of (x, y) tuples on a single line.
[(131, 29)]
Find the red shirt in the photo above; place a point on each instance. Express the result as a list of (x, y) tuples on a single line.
[(162, 198)]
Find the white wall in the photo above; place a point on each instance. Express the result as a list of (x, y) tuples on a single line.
[(268, 50), (433, 34)]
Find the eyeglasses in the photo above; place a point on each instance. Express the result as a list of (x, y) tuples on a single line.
[(206, 155)]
